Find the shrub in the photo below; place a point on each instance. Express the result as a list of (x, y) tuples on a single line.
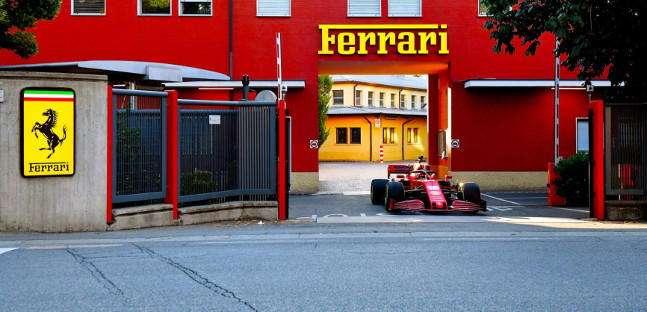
[(573, 183)]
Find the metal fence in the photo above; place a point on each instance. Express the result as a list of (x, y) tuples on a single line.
[(226, 149), (139, 145), (626, 143)]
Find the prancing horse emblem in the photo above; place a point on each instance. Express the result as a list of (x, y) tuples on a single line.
[(46, 129)]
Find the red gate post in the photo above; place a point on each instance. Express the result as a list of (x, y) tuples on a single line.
[(172, 191), (109, 159), (553, 198), (281, 194), (597, 147)]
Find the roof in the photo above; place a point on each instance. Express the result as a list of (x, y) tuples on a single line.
[(400, 81), (291, 84), (547, 83), (125, 70), (351, 110)]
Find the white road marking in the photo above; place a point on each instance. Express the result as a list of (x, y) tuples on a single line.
[(70, 247), (352, 193), (3, 250), (501, 199), (501, 208)]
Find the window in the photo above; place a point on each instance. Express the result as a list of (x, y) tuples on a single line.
[(392, 100), (413, 101), (402, 98), (381, 99), (412, 135), (338, 97), (370, 98), (273, 7), (355, 135), (482, 8), (422, 102), (405, 8), (582, 135), (388, 135), (358, 98), (364, 8), (154, 7), (195, 7), (89, 7), (342, 135)]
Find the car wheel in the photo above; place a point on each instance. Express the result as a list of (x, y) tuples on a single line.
[(471, 193), (394, 193), (378, 191)]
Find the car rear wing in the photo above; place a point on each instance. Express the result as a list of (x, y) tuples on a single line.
[(401, 169)]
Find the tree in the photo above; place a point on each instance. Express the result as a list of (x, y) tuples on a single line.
[(325, 87), (17, 17), (593, 35)]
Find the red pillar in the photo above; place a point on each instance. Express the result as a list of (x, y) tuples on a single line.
[(109, 159), (553, 198), (432, 121), (172, 189), (281, 192), (597, 147)]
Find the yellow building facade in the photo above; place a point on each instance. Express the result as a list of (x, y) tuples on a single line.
[(370, 114)]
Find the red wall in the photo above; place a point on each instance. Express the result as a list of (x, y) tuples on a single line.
[(499, 129)]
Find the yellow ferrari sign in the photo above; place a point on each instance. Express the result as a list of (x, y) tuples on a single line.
[(47, 133)]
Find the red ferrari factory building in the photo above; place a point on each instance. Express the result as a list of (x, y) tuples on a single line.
[(490, 115)]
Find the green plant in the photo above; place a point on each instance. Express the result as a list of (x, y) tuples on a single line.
[(325, 87), (196, 182), (573, 183)]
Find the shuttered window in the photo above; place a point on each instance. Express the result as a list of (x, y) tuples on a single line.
[(273, 7), (364, 8), (405, 8), (90, 7)]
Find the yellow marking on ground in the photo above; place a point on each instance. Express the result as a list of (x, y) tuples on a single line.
[(70, 247)]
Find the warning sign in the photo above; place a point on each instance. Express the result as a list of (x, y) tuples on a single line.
[(314, 144)]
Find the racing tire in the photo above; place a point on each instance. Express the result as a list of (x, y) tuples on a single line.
[(378, 191), (471, 193), (394, 193)]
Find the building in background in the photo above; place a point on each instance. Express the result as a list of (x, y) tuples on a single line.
[(370, 114)]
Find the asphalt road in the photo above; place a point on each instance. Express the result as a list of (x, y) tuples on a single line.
[(356, 207), (308, 266)]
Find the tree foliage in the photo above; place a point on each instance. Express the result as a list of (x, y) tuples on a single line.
[(594, 35), (17, 17), (325, 86)]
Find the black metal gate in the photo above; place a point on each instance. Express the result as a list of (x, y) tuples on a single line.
[(625, 146)]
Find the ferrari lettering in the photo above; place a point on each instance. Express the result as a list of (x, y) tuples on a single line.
[(49, 167), (406, 39)]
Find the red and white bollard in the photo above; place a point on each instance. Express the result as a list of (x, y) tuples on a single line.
[(381, 154)]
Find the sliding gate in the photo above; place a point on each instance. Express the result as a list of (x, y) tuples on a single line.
[(226, 149)]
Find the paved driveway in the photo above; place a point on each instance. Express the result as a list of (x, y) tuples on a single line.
[(339, 177)]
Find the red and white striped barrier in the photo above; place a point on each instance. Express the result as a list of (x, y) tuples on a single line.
[(381, 154)]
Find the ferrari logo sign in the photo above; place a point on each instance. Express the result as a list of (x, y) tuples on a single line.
[(47, 128)]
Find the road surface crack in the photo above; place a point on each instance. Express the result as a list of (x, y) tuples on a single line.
[(96, 273), (217, 289)]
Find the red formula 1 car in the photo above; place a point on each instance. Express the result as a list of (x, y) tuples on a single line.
[(416, 188)]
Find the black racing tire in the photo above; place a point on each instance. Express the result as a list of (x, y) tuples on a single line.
[(394, 193), (471, 193), (378, 191)]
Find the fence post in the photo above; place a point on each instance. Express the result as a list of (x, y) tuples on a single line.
[(597, 147), (110, 160), (172, 161), (282, 190)]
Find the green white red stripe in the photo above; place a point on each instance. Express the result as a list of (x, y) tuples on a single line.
[(31, 95)]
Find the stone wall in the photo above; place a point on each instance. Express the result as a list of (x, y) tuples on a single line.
[(55, 204)]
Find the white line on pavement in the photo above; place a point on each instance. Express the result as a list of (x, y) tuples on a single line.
[(3, 250), (501, 199)]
